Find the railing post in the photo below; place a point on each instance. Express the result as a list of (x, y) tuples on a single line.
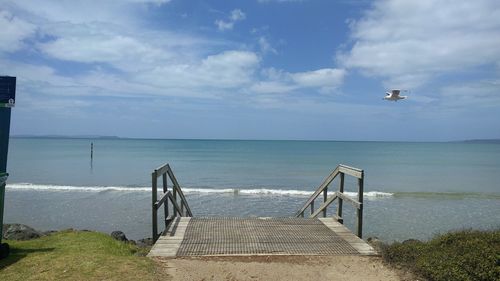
[(174, 193), (154, 196), (325, 197), (341, 190), (312, 207), (165, 205), (360, 210)]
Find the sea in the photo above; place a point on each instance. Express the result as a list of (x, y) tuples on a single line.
[(411, 189)]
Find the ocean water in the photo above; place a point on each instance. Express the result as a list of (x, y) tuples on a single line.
[(412, 190)]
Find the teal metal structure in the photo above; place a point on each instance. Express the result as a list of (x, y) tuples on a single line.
[(7, 101)]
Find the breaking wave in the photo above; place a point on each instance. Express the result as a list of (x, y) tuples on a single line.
[(235, 191)]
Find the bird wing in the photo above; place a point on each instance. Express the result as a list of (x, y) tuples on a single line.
[(395, 93)]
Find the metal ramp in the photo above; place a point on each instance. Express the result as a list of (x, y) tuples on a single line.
[(258, 236)]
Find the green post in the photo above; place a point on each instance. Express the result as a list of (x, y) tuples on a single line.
[(7, 100)]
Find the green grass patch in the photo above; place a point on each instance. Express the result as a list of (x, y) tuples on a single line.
[(462, 255), (75, 255)]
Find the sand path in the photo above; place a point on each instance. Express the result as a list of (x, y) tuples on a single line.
[(276, 268)]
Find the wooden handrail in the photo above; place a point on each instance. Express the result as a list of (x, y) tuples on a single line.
[(182, 210), (320, 189), (339, 195)]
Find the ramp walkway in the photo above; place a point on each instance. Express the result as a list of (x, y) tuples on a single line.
[(186, 236), (258, 236)]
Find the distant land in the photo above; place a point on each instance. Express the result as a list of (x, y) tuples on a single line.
[(482, 141), (66, 137), (117, 137)]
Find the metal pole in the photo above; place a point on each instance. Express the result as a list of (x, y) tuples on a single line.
[(7, 99)]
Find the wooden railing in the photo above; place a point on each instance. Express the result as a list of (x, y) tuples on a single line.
[(180, 208), (341, 170)]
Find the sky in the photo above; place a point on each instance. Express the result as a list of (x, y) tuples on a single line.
[(254, 69)]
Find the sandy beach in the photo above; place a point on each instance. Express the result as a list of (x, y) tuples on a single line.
[(278, 268)]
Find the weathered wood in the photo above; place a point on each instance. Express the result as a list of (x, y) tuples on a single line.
[(337, 218), (325, 197), (320, 189), (155, 208), (357, 243), (165, 171), (174, 203), (162, 170), (324, 205), (358, 173), (179, 191), (355, 203), (358, 204), (341, 200), (165, 190), (360, 209), (176, 212), (162, 200)]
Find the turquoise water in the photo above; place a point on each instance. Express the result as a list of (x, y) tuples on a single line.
[(412, 189)]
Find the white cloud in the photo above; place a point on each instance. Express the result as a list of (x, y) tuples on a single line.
[(265, 46), (13, 32), (230, 69), (326, 80), (483, 93), (120, 51), (111, 11), (223, 25), (327, 77), (236, 15), (274, 87), (408, 43), (89, 51)]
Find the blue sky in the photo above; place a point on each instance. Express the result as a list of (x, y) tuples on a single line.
[(254, 69)]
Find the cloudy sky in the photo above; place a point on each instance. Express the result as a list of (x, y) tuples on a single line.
[(254, 69)]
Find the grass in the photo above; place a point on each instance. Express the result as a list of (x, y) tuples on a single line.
[(75, 255), (462, 255)]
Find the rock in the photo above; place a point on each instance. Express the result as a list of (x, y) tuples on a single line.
[(144, 243), (49, 232), (20, 232), (411, 241), (373, 240), (118, 235), (376, 243)]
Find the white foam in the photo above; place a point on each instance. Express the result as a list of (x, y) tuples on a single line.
[(50, 187), (276, 192), (208, 190), (258, 191), (370, 194)]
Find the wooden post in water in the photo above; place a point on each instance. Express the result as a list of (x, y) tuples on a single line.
[(91, 150), (360, 209)]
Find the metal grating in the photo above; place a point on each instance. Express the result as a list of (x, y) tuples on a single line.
[(247, 236)]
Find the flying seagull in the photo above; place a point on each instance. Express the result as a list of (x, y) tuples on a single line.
[(394, 95)]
